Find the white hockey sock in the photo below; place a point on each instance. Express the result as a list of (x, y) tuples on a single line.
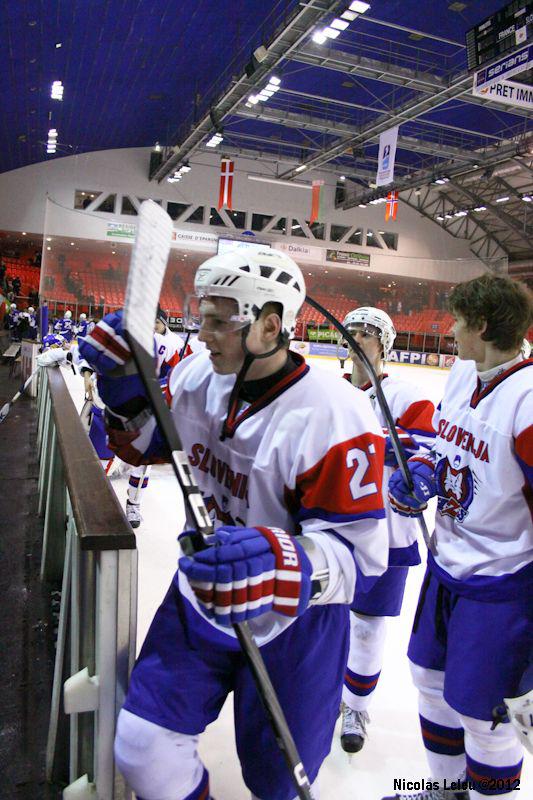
[(441, 726), (157, 763), (493, 759), (367, 642)]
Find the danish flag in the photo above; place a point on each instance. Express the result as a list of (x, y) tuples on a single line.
[(391, 209), (226, 183)]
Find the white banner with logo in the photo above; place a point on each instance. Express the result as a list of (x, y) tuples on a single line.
[(386, 157)]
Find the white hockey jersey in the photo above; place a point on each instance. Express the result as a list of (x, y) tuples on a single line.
[(413, 413), (168, 347), (307, 457), (484, 471)]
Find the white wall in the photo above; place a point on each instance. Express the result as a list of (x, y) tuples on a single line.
[(425, 250)]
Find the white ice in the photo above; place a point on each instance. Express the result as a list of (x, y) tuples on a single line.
[(394, 747)]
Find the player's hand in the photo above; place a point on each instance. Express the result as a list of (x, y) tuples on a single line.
[(409, 503), (105, 349), (409, 445), (247, 572)]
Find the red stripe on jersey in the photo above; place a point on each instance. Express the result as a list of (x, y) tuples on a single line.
[(110, 343), (523, 446), (418, 416), (348, 479)]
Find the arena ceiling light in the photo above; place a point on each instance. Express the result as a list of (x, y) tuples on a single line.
[(179, 173), (56, 92), (480, 208), (502, 199), (527, 198), (442, 180), (51, 144), (264, 94), (215, 140), (341, 23)]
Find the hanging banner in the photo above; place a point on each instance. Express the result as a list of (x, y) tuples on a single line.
[(315, 201), (507, 92), (386, 157), (226, 184), (391, 208), (504, 68)]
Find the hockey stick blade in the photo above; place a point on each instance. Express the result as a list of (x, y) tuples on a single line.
[(380, 397), (145, 279)]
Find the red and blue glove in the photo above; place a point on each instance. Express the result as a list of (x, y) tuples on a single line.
[(407, 502), (106, 351), (247, 572)]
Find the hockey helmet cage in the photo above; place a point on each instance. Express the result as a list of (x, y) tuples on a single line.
[(374, 318), (254, 279)]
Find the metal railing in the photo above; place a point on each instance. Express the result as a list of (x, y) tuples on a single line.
[(89, 547)]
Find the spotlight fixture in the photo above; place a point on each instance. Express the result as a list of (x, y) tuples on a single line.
[(338, 24), (502, 199), (480, 208), (527, 198), (359, 7), (442, 180), (179, 173), (301, 168)]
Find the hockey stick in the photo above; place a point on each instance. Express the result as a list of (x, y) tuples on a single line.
[(6, 408), (380, 397), (145, 278)]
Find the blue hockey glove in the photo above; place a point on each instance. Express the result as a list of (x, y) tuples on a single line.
[(108, 354), (410, 447), (247, 572), (105, 348), (400, 498)]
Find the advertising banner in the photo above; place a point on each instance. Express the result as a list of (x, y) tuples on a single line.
[(121, 230), (347, 257), (322, 335), (504, 68), (507, 92)]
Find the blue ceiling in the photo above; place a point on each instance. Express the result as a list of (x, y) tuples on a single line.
[(140, 71)]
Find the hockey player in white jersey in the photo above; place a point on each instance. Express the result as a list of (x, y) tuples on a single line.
[(473, 630), (374, 331), (168, 348), (284, 461)]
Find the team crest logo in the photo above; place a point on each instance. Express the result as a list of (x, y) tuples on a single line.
[(221, 514), (455, 486)]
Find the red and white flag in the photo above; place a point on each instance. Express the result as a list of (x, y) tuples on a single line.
[(391, 209), (226, 183)]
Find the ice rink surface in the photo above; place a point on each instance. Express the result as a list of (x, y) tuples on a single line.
[(394, 747)]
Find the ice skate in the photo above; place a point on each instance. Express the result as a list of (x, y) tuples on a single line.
[(133, 514), (353, 731)]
